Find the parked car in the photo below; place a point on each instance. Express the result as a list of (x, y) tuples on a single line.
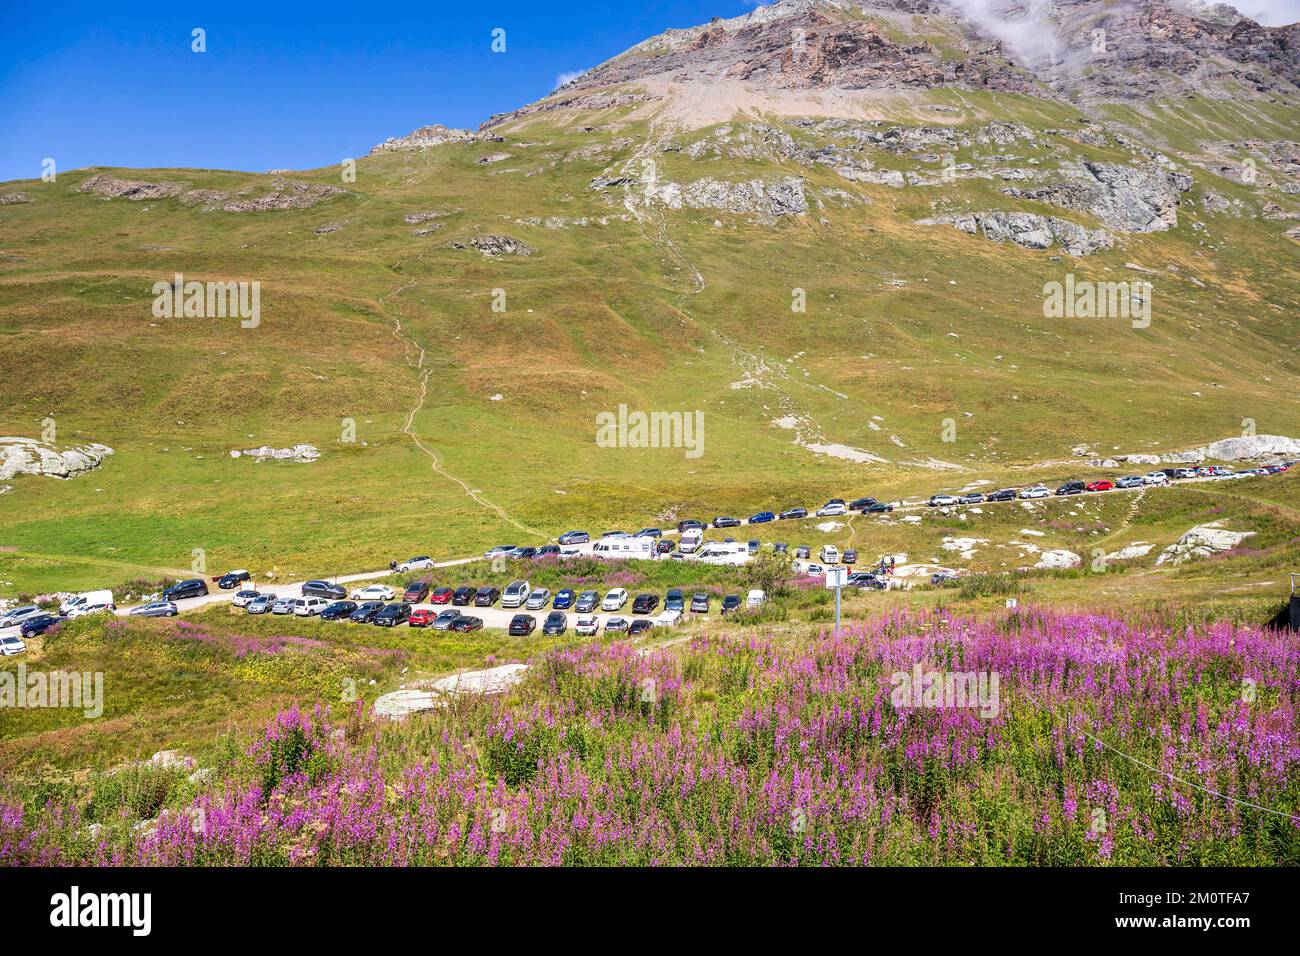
[(486, 596), (614, 600), (943, 578), (802, 552), (753, 545), (16, 615), (548, 551), (973, 498), (465, 623), (440, 595), (780, 547), (640, 626), (309, 606), (538, 599), (756, 598), (615, 624), (879, 507), (832, 508), (261, 604), (762, 517), (393, 615), (664, 546), (283, 604), (337, 610), (521, 625), (1102, 484), (98, 607), (445, 619), (1071, 488), (419, 563), (1189, 473), (1036, 491), (365, 612), (850, 556), (464, 595), (500, 550), (793, 513), (525, 554), (335, 592), (937, 501), (564, 599), (861, 504), (516, 594), (11, 644), (416, 592), (645, 604), (614, 534), (587, 602), (168, 609), (574, 537), (375, 592), (700, 602), (242, 598), (815, 571), (422, 617), (41, 623), (649, 533), (1129, 481), (723, 521), (829, 554), (730, 603), (233, 579), (1004, 494), (191, 588), (556, 623), (675, 600), (690, 524), (587, 626)]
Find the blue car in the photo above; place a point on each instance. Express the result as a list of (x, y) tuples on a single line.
[(564, 599), (761, 517)]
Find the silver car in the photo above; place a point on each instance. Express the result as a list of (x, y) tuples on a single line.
[(443, 621), (155, 609), (261, 604), (283, 605), (538, 599), (17, 615)]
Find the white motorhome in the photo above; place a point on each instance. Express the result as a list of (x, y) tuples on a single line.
[(724, 552), (830, 554), (84, 601), (618, 548), (691, 540)]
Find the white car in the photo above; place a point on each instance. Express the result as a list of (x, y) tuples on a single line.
[(309, 606), (10, 645), (244, 598), (1155, 478), (755, 598), (1038, 491), (376, 592), (421, 563), (832, 509), (943, 501), (516, 593), (283, 605), (815, 571), (81, 610), (614, 601), (538, 599), (17, 615), (616, 624), (587, 626)]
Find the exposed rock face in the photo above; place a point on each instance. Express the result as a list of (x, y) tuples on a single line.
[(400, 704), (27, 456), (769, 199), (285, 194), (1029, 230), (1201, 542), (1125, 198), (282, 194), (424, 138), (1058, 559), (302, 453), (13, 197), (495, 245), (1242, 448), (135, 190)]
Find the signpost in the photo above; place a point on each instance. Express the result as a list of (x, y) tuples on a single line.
[(836, 577)]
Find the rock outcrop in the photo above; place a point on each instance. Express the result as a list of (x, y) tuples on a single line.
[(495, 245), (301, 453), (1125, 198), (282, 193), (1029, 230), (1263, 448), (425, 137), (27, 456), (1201, 542)]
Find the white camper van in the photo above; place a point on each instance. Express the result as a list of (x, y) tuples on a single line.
[(82, 602), (724, 552), (609, 548), (690, 541), (829, 554)]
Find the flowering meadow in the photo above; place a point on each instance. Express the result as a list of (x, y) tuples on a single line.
[(1110, 742)]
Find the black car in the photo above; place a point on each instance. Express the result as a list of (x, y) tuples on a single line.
[(664, 546), (336, 592), (850, 556), (338, 610), (676, 600), (690, 523), (793, 513), (724, 522), (645, 604), (557, 622), (861, 504), (974, 498), (730, 603), (487, 596), (1071, 488), (878, 508), (526, 554), (393, 615), (700, 602), (753, 545), (803, 552), (192, 588), (365, 612), (463, 595), (548, 549), (466, 623), (780, 547), (521, 625), (233, 579), (640, 626), (39, 624), (1006, 494)]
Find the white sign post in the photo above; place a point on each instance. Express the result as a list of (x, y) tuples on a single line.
[(836, 577)]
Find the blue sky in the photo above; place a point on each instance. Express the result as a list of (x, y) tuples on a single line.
[(298, 86)]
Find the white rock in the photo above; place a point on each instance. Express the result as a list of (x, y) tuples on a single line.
[(27, 456), (1200, 542)]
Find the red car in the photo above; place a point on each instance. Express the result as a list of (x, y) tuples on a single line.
[(421, 617), (1102, 485), (440, 596)]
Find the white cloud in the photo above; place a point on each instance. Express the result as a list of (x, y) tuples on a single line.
[(568, 77), (1269, 13)]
